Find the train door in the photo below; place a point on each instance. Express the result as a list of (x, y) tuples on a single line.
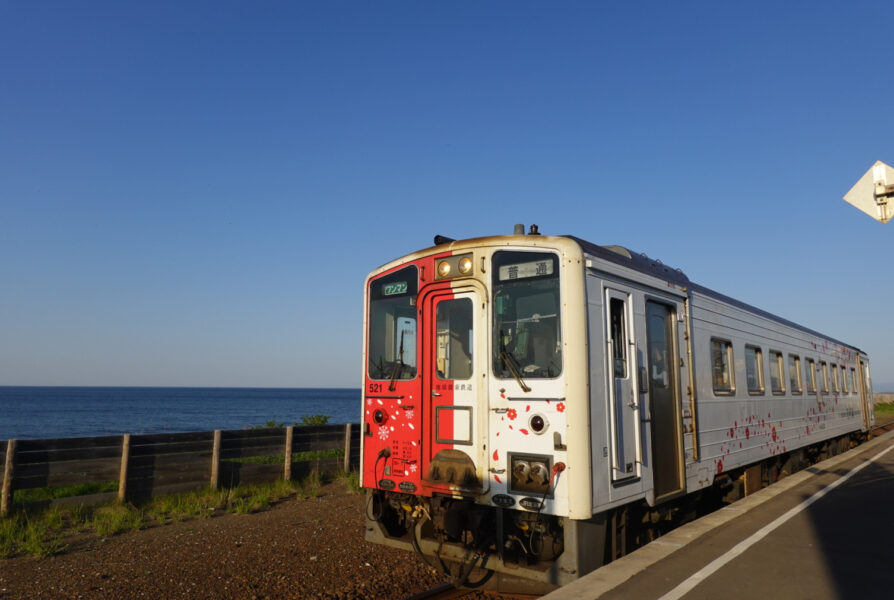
[(454, 435), (664, 398), (623, 394)]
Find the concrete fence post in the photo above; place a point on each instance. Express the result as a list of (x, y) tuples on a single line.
[(8, 474), (287, 467), (215, 460), (347, 465), (125, 459)]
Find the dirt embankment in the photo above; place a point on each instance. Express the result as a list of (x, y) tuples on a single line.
[(310, 548)]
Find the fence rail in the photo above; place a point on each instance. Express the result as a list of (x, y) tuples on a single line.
[(144, 466)]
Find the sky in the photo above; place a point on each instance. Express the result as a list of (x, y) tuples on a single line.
[(192, 193)]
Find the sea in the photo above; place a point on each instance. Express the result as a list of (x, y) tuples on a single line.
[(55, 412)]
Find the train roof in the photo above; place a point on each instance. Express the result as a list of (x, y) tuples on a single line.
[(654, 267)]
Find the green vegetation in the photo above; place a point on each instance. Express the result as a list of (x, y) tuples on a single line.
[(352, 480), (63, 491), (306, 421), (116, 518), (884, 412), (41, 532), (38, 536), (278, 459)]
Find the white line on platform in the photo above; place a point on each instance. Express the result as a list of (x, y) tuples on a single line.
[(696, 578)]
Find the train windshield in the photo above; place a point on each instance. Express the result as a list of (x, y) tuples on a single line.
[(527, 329), (391, 351)]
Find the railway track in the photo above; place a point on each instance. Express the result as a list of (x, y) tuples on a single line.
[(439, 592), (445, 591), (884, 427)]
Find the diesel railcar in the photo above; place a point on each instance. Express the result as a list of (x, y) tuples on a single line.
[(535, 405)]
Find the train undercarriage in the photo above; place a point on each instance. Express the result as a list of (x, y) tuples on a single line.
[(532, 552)]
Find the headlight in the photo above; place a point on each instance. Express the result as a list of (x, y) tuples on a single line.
[(460, 265), (530, 473), (539, 473)]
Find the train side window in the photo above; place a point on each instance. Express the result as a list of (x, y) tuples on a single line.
[(794, 373), (810, 372), (834, 378), (722, 367), (844, 389), (754, 370), (619, 343), (854, 380), (777, 372), (825, 381)]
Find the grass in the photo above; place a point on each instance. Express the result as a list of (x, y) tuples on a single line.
[(39, 536), (278, 459), (63, 491), (306, 421), (885, 408), (41, 532), (352, 480)]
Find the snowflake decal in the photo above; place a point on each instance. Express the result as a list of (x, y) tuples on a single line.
[(369, 401), (560, 407), (409, 413), (413, 467), (383, 433), (511, 414)]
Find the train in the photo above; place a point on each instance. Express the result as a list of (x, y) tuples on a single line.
[(535, 406)]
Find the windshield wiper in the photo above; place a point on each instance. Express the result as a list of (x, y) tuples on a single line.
[(398, 366), (509, 361)]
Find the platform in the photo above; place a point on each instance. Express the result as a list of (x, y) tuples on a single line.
[(823, 533)]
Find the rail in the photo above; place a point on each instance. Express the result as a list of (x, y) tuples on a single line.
[(442, 591)]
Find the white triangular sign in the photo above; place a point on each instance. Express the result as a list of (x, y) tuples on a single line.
[(869, 194)]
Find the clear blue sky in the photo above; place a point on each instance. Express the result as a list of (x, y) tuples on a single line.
[(193, 192)]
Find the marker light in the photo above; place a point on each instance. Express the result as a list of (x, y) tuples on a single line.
[(443, 268), (538, 423), (465, 265), (379, 416)]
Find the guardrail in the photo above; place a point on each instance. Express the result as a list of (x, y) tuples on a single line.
[(151, 465)]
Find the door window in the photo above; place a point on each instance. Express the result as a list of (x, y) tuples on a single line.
[(454, 352), (619, 344)]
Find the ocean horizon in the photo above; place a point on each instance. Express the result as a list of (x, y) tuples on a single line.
[(46, 412)]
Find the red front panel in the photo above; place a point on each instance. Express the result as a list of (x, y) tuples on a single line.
[(398, 416)]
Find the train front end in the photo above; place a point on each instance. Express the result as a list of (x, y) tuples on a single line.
[(475, 448)]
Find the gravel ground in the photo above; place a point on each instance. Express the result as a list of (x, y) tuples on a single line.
[(311, 548)]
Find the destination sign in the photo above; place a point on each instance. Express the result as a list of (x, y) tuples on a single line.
[(524, 270), (393, 289)]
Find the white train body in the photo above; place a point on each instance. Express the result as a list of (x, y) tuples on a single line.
[(521, 404)]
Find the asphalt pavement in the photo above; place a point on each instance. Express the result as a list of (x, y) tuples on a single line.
[(822, 534)]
